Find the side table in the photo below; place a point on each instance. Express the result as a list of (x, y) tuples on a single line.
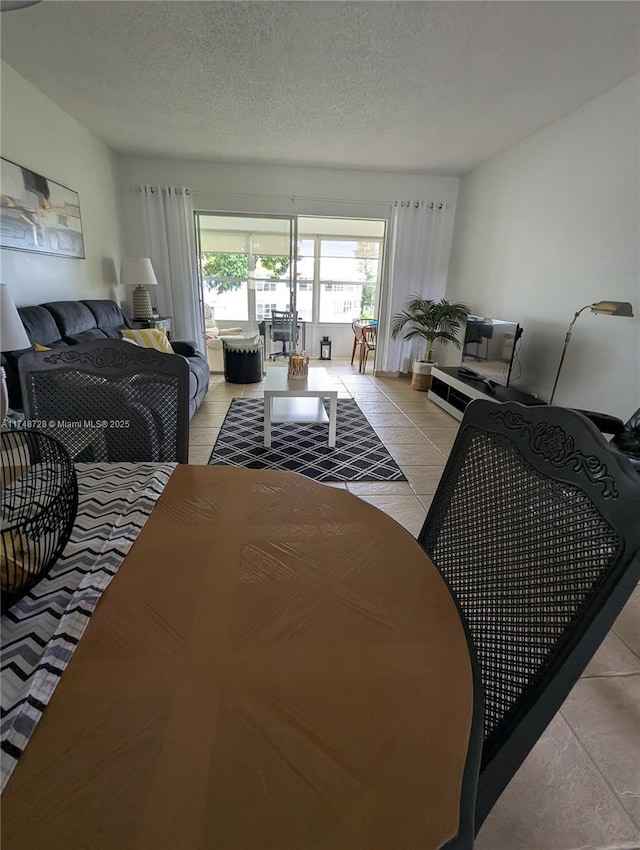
[(299, 401), (158, 322)]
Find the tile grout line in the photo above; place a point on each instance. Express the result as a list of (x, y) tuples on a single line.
[(594, 763), (611, 675), (623, 641)]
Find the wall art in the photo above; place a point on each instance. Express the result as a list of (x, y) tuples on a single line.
[(38, 214)]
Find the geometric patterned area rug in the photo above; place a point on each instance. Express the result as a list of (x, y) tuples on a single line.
[(298, 447)]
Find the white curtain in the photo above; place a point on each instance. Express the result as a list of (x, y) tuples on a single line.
[(416, 265), (169, 227)]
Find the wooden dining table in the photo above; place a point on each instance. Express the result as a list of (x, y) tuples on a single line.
[(276, 665)]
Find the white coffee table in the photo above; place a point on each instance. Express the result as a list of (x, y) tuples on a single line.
[(299, 401)]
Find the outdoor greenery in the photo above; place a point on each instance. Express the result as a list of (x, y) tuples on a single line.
[(367, 301), (226, 272), (278, 266), (366, 253), (433, 321)]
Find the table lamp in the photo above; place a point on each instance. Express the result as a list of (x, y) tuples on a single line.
[(138, 272), (13, 337), (606, 308)]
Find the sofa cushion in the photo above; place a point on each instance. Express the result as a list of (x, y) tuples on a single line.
[(39, 325), (85, 336), (108, 315), (71, 317), (199, 368), (186, 347)]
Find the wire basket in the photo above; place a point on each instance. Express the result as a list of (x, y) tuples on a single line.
[(38, 505)]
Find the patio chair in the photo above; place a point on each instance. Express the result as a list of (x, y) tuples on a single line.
[(358, 342), (109, 400), (535, 528), (369, 336)]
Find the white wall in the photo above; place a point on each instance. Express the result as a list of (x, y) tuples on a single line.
[(281, 190), (39, 135), (548, 226)]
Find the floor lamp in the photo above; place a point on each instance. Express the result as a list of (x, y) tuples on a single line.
[(13, 337), (606, 308)]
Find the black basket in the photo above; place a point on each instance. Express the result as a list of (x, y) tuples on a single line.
[(38, 504)]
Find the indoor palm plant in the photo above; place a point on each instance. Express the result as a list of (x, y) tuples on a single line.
[(432, 321)]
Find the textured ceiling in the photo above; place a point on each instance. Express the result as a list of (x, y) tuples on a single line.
[(431, 87)]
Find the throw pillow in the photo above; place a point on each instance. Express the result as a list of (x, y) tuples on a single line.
[(150, 338), (41, 347)]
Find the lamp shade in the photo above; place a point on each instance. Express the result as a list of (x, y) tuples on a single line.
[(607, 308), (13, 336), (612, 308), (137, 271)]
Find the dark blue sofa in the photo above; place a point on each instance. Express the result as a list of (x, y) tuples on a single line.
[(60, 323)]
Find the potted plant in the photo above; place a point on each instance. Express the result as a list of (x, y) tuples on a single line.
[(433, 321)]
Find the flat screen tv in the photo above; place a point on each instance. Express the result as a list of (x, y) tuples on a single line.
[(489, 348)]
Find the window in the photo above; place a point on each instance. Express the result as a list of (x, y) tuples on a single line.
[(246, 269), (225, 272), (263, 311), (245, 264), (342, 257), (356, 264), (345, 307)]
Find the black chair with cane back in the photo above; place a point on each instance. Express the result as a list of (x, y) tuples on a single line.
[(535, 528)]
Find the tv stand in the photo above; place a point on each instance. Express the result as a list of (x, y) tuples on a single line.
[(452, 390), (490, 386), (468, 373)]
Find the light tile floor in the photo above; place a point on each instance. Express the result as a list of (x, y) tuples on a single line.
[(579, 789)]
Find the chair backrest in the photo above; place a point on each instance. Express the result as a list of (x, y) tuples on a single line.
[(369, 334), (281, 323), (535, 528), (109, 400), (357, 331), (209, 319)]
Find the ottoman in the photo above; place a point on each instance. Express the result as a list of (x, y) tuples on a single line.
[(243, 360)]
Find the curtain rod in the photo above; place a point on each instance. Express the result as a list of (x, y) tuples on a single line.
[(294, 198), (440, 205)]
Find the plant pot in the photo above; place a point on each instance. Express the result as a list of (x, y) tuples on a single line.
[(421, 375)]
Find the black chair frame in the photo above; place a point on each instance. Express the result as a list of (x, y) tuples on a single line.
[(510, 462), (109, 400)]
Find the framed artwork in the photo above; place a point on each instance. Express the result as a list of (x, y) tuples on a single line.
[(37, 214)]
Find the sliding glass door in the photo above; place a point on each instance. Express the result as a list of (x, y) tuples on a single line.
[(247, 265), (339, 269)]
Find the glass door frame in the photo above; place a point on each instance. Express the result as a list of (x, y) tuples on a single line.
[(251, 281)]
